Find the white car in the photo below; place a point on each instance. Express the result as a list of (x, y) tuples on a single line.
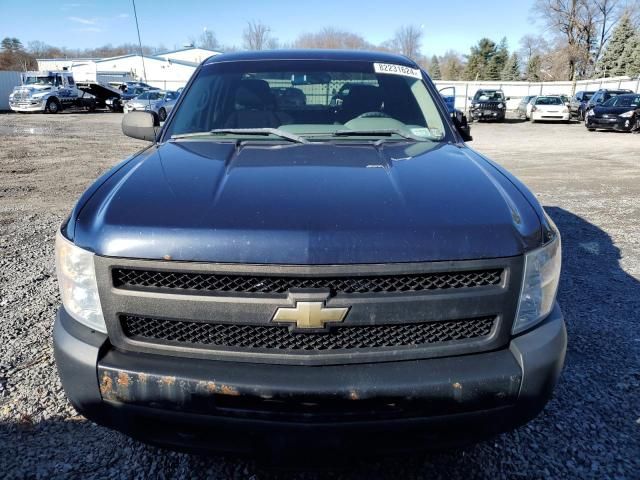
[(549, 108)]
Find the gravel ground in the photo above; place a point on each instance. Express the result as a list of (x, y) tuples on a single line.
[(590, 185)]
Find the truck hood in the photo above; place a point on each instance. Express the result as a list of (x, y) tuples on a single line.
[(307, 204), (31, 89)]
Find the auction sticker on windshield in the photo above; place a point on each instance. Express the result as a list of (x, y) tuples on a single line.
[(393, 69)]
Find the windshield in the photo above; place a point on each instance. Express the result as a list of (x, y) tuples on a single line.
[(488, 95), (609, 95), (549, 101), (623, 101), (315, 100), (44, 80)]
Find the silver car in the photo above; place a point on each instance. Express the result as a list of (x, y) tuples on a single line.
[(165, 109), (152, 100)]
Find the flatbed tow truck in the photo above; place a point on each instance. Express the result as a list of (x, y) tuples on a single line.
[(54, 91)]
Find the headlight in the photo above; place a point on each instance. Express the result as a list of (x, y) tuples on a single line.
[(500, 105), (590, 113), (539, 284), (78, 286), (628, 114), (565, 110)]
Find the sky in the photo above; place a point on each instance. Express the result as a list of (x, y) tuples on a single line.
[(452, 24)]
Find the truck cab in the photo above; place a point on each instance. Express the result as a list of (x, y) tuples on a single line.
[(56, 90), (44, 91)]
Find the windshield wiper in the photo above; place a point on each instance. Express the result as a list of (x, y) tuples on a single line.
[(292, 137), (383, 132)]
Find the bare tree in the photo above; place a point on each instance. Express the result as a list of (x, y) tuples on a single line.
[(609, 14), (575, 22), (330, 37), (207, 39), (407, 41), (256, 36)]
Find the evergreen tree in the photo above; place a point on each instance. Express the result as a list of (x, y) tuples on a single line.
[(533, 68), (493, 70), (478, 60), (612, 62), (511, 70), (434, 71), (502, 55), (631, 56)]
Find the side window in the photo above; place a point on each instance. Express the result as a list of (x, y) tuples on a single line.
[(71, 81)]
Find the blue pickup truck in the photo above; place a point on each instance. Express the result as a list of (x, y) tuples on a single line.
[(309, 276)]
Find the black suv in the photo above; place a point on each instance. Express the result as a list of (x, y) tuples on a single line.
[(488, 105), (308, 277), (578, 104), (601, 96)]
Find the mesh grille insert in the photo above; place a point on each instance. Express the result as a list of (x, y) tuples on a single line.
[(272, 337), (214, 282)]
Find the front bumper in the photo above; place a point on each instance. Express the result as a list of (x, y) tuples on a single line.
[(616, 123), (27, 106), (482, 114), (551, 117), (199, 404)]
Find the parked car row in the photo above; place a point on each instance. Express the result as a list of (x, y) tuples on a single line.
[(600, 109)]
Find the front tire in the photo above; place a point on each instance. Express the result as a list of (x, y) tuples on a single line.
[(53, 106), (162, 114)]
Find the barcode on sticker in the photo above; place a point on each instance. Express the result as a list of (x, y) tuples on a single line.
[(393, 69)]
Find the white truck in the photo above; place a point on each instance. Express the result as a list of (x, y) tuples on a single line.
[(53, 91)]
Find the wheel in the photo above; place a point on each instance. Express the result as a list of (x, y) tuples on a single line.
[(591, 129), (53, 106), (162, 114)]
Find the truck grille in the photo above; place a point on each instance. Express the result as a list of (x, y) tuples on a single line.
[(205, 282), (272, 337)]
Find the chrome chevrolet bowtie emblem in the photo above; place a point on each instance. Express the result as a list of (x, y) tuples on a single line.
[(310, 315)]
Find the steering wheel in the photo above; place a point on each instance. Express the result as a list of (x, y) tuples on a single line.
[(372, 115)]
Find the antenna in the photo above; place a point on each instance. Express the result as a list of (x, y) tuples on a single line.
[(135, 15), (144, 70)]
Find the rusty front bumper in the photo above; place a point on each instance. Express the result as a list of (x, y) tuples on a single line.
[(221, 405)]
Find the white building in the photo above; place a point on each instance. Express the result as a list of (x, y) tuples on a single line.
[(45, 64), (190, 54), (168, 70)]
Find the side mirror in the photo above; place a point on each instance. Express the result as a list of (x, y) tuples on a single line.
[(141, 125), (508, 98), (462, 125)]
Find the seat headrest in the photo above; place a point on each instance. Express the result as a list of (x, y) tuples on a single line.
[(254, 93)]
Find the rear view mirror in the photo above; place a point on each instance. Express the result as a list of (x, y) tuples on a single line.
[(314, 78), (141, 125)]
